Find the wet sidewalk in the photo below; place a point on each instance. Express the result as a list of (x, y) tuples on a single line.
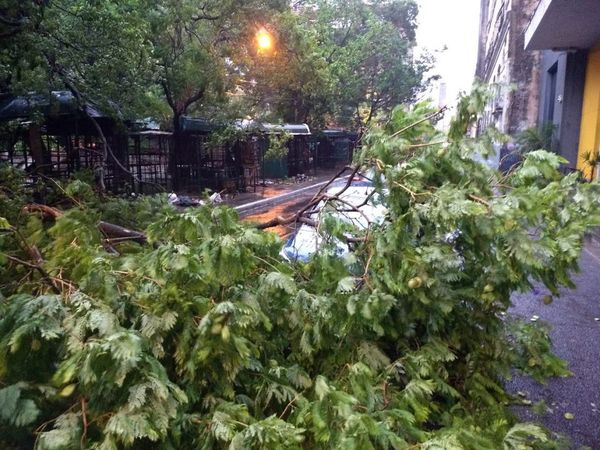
[(575, 320)]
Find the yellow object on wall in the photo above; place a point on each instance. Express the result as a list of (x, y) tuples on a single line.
[(589, 136)]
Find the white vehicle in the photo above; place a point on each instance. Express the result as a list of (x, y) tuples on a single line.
[(356, 204)]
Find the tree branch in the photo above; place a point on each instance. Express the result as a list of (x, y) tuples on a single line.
[(335, 177), (200, 17), (317, 198), (37, 259), (340, 45), (479, 200), (193, 99), (168, 95), (111, 231), (118, 233), (107, 150), (425, 119), (45, 210)]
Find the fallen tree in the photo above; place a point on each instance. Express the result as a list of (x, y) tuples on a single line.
[(205, 338)]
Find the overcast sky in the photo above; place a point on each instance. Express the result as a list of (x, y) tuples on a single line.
[(453, 24)]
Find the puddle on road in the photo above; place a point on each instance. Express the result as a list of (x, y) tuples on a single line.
[(285, 210)]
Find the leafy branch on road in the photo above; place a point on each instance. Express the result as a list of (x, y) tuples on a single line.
[(200, 336)]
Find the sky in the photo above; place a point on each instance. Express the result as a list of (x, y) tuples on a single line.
[(453, 24)]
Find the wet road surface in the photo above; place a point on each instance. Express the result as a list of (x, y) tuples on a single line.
[(284, 209), (287, 208)]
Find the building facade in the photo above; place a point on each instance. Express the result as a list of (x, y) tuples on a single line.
[(568, 33), (503, 61)]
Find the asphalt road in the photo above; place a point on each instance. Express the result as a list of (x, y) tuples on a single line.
[(575, 319), (285, 208), (288, 204)]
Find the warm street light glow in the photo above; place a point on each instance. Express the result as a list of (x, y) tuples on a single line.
[(264, 40)]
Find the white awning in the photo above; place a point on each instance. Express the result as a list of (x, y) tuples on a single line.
[(295, 129)]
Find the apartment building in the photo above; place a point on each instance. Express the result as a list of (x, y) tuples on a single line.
[(503, 60), (568, 33)]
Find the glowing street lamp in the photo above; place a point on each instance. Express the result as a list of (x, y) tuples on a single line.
[(264, 40)]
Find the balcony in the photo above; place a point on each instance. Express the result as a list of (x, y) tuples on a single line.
[(564, 25)]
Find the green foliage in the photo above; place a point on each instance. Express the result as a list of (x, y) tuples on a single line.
[(225, 136), (369, 48), (322, 68), (11, 192), (541, 408), (278, 148), (132, 212), (205, 338), (293, 82), (531, 344), (536, 138), (16, 410), (53, 49), (169, 58)]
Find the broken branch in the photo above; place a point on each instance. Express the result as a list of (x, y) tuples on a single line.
[(424, 119), (109, 230)]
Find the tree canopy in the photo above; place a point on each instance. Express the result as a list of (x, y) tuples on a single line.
[(99, 50), (369, 47), (332, 62)]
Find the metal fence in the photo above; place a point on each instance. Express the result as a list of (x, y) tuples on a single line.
[(150, 161)]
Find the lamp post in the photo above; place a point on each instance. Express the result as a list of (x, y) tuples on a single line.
[(264, 47)]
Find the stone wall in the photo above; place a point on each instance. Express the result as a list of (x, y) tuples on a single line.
[(503, 59)]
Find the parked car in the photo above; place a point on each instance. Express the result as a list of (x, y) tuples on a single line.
[(357, 205)]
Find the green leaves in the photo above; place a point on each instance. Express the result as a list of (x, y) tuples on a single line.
[(145, 57), (66, 433), (30, 318), (270, 433), (4, 224), (365, 82), (530, 348), (205, 338), (281, 281), (539, 165), (346, 284), (524, 435), (16, 410)]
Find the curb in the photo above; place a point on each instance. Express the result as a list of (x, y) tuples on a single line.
[(593, 237), (271, 201)]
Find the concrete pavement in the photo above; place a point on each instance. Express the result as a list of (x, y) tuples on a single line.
[(575, 320)]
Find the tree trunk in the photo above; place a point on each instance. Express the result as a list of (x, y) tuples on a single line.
[(175, 151), (39, 153)]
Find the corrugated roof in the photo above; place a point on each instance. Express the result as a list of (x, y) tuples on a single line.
[(57, 103), (150, 133), (338, 132), (198, 124)]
